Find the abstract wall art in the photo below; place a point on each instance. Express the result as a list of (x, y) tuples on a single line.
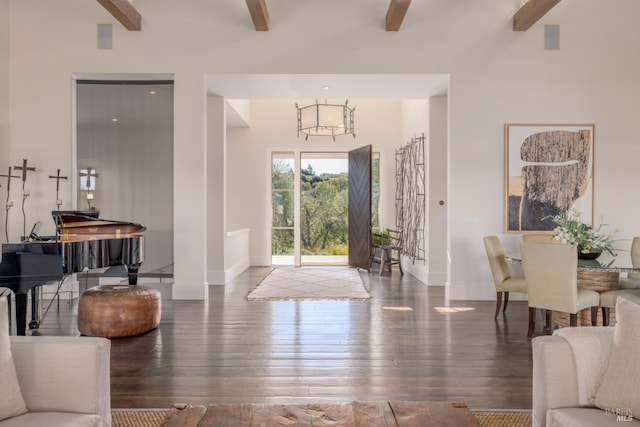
[(548, 170)]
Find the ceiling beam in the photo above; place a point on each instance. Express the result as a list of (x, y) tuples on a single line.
[(259, 14), (531, 12), (124, 12), (395, 14)]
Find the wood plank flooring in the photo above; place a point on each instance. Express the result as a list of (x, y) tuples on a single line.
[(230, 350)]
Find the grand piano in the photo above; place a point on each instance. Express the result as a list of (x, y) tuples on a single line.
[(82, 242)]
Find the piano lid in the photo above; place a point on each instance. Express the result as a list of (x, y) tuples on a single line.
[(86, 222)]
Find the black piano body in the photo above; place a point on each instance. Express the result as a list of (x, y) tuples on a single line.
[(25, 266), (89, 243), (82, 242)]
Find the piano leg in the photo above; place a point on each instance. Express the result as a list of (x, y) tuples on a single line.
[(132, 271), (9, 308), (35, 321), (21, 314)]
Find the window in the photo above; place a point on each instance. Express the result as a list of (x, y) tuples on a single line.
[(283, 208)]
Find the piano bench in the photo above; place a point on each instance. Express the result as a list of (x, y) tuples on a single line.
[(117, 311)]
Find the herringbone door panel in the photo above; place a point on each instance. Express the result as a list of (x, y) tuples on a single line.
[(360, 207)]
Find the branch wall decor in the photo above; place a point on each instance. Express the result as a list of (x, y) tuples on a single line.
[(410, 197)]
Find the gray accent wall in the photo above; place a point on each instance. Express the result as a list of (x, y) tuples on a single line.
[(133, 157)]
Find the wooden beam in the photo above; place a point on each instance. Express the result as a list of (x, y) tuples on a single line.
[(395, 14), (259, 14), (531, 12), (124, 12)]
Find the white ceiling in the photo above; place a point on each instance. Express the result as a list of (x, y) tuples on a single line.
[(309, 86), (323, 86), (281, 86)]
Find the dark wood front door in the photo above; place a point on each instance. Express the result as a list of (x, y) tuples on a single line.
[(360, 207)]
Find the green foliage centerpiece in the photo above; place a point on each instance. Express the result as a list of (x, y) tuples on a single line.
[(589, 241), (381, 238)]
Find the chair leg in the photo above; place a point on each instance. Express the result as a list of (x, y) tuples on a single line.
[(506, 301), (605, 316), (594, 316), (548, 322), (498, 304), (383, 260), (573, 319), (532, 322)]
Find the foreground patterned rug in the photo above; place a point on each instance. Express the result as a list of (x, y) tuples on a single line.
[(311, 283), (503, 418), (155, 418), (138, 417)]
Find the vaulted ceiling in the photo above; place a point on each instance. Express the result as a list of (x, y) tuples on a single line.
[(528, 14)]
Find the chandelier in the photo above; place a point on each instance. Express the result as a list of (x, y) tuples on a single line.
[(325, 120)]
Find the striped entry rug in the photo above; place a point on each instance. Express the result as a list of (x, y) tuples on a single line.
[(311, 283)]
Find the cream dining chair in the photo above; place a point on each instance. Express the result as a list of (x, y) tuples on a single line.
[(539, 238), (608, 301), (551, 274), (501, 274), (632, 281)]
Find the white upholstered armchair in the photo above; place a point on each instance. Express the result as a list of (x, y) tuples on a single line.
[(53, 381), (589, 376)]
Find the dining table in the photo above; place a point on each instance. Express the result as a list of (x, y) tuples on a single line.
[(601, 274)]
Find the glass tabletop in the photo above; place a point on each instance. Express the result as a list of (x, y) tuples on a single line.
[(623, 261)]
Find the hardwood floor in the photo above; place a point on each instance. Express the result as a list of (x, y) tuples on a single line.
[(230, 350)]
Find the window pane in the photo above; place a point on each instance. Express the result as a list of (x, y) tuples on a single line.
[(282, 205), (282, 242), (281, 173), (375, 190)]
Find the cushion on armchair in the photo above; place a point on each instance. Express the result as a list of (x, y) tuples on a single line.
[(11, 402), (618, 392), (591, 349)]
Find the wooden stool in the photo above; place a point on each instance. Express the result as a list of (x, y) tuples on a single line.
[(116, 311)]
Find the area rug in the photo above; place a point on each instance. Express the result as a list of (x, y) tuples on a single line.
[(155, 417), (311, 283), (138, 417), (503, 418)]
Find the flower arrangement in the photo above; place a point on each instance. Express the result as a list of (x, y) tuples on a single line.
[(572, 231)]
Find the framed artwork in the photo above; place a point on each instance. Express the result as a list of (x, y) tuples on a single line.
[(548, 170)]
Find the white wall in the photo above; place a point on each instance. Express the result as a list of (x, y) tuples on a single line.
[(497, 76), (509, 78), (437, 181), (4, 91), (216, 194)]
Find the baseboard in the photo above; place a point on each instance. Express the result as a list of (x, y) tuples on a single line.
[(223, 277)]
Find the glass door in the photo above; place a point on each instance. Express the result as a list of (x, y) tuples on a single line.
[(309, 207), (323, 208), (282, 209)]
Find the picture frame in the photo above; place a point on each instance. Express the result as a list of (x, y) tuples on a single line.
[(548, 170)]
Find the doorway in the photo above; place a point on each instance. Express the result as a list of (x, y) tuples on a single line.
[(309, 207), (124, 159), (324, 211)]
